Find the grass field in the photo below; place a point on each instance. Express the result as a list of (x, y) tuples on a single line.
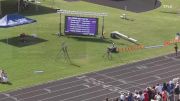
[(149, 28)]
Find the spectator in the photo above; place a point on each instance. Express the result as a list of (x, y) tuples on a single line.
[(164, 95), (158, 97), (164, 86), (170, 88), (3, 77), (122, 97), (149, 93), (140, 96), (153, 92), (130, 97), (146, 96), (176, 90), (175, 80), (158, 88), (136, 93)]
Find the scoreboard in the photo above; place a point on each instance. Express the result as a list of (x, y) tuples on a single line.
[(81, 26)]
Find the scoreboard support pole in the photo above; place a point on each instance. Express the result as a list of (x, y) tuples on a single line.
[(102, 27)]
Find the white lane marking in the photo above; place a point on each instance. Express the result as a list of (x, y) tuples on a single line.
[(48, 90), (46, 87), (103, 85), (51, 92), (86, 85), (148, 72), (167, 57), (119, 80), (80, 95), (8, 95), (157, 77), (69, 97), (14, 98), (129, 68), (176, 59), (140, 70), (153, 81), (123, 81), (141, 78), (173, 58), (141, 67)]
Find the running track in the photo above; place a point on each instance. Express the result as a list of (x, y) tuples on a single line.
[(97, 86)]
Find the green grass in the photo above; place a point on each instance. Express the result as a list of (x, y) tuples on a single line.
[(149, 28)]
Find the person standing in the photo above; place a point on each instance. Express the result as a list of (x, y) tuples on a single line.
[(122, 97), (164, 95), (176, 49), (146, 96)]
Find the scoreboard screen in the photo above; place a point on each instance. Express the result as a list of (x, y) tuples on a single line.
[(81, 26)]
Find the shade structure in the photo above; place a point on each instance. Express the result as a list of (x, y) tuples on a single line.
[(12, 20)]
